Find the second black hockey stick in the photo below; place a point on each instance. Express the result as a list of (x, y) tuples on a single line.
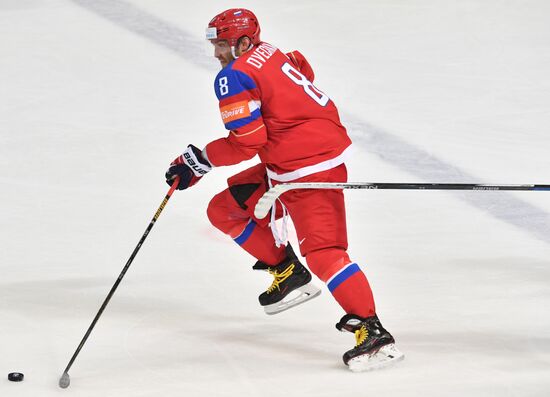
[(266, 201)]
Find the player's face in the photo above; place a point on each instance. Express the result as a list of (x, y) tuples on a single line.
[(222, 51)]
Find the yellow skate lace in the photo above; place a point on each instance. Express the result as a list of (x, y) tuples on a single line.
[(279, 277), (361, 335)]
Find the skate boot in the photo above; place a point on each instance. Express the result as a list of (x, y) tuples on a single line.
[(289, 275), (374, 347)]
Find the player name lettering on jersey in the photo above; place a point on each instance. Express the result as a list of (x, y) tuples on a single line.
[(260, 55), (235, 111)]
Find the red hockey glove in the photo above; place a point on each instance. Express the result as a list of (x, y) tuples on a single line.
[(190, 167)]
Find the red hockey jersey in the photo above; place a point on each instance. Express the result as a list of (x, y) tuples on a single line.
[(271, 108)]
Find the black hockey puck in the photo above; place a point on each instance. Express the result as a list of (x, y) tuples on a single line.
[(16, 376)]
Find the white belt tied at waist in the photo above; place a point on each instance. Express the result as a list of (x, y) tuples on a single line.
[(310, 169), (281, 237)]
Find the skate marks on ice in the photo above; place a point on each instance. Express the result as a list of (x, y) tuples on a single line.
[(228, 346), (480, 329)]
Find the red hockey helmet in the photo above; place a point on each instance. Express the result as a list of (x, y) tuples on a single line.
[(233, 24)]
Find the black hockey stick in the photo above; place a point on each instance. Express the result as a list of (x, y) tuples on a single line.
[(65, 380), (266, 201)]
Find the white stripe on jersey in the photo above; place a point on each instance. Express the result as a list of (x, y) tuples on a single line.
[(311, 169)]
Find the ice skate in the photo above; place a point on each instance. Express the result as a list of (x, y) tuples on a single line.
[(291, 285), (374, 347)]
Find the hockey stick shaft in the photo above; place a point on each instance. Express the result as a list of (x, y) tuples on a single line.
[(64, 381), (266, 201)]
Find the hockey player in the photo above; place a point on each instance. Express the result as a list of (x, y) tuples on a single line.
[(271, 108)]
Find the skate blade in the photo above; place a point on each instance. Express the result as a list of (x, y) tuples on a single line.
[(307, 292), (386, 356)]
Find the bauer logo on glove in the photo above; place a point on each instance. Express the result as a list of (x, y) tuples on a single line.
[(190, 166), (197, 169)]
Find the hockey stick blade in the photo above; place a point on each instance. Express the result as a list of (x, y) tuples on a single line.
[(268, 199)]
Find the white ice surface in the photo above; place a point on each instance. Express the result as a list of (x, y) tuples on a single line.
[(97, 97)]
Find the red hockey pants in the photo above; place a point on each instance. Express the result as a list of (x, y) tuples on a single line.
[(320, 221)]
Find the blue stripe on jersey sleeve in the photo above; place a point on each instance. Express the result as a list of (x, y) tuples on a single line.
[(231, 82), (233, 125)]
